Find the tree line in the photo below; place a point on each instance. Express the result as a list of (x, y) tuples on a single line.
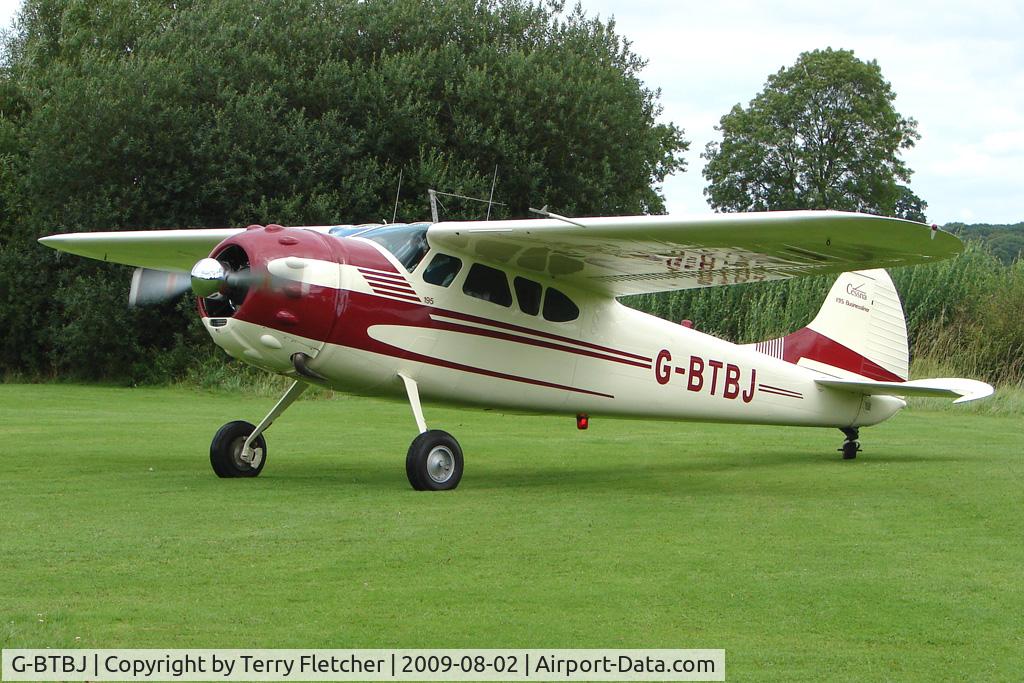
[(140, 114), (133, 114), (1006, 242)]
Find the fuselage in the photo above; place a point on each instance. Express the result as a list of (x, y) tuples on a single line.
[(362, 318)]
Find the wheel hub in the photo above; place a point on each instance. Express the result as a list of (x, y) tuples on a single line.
[(440, 464), (236, 454)]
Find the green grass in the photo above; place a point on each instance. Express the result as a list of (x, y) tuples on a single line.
[(905, 564)]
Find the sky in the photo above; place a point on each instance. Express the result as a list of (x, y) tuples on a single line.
[(956, 67)]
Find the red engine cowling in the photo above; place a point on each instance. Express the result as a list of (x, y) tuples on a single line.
[(282, 295)]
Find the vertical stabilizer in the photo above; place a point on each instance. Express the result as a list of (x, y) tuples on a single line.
[(860, 331)]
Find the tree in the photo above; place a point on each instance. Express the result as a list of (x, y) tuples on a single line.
[(823, 134), (145, 113), (909, 206)]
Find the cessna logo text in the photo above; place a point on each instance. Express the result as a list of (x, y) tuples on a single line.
[(856, 291)]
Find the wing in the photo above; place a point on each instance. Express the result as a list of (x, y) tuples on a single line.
[(963, 390), (633, 255), (173, 250)]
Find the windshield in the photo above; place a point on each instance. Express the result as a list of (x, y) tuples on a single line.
[(408, 242)]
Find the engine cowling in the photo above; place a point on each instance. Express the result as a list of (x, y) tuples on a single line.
[(280, 296)]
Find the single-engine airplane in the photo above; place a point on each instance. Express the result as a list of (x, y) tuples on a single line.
[(523, 315)]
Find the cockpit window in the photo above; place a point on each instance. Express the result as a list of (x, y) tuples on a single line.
[(489, 284), (408, 243), (442, 270)]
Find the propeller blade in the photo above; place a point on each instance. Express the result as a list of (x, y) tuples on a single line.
[(156, 286)]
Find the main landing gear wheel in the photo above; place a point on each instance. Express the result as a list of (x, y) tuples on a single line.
[(434, 462), (851, 446), (226, 451)]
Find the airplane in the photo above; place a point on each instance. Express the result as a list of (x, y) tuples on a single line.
[(523, 315)]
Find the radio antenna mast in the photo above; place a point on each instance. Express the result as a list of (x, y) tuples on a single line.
[(434, 201), (398, 193), (490, 200), (433, 205)]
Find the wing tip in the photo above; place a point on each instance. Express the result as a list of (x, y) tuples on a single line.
[(975, 390), (57, 242)]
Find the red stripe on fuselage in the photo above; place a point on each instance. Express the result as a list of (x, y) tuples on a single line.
[(397, 282), (546, 335), (494, 334), (392, 288), (374, 272), (769, 389), (779, 393), (807, 343), (403, 297)]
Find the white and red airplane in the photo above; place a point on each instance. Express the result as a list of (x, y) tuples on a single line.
[(523, 315)]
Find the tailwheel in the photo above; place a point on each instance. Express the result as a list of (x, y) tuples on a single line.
[(850, 449), (434, 462), (851, 446), (227, 454)]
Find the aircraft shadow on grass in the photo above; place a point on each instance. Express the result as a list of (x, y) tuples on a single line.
[(679, 476)]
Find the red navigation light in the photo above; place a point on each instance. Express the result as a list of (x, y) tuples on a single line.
[(582, 421)]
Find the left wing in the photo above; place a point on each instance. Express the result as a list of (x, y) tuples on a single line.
[(637, 254), (172, 250)]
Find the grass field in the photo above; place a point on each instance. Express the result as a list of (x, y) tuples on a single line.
[(906, 564)]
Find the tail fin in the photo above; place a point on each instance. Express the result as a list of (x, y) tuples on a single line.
[(860, 332)]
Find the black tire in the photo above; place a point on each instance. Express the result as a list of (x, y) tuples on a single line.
[(226, 449), (850, 449), (434, 461)]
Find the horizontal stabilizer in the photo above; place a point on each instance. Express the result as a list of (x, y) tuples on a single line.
[(941, 387)]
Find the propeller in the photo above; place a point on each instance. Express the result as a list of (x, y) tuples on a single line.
[(209, 279), (151, 287)]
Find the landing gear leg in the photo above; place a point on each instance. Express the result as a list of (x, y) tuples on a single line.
[(851, 446), (238, 449), (434, 461)]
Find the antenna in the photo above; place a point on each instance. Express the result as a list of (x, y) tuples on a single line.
[(434, 201), (490, 199), (398, 193), (433, 204)]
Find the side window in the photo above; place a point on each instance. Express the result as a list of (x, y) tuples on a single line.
[(528, 294), (558, 308), (489, 284), (442, 270)]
